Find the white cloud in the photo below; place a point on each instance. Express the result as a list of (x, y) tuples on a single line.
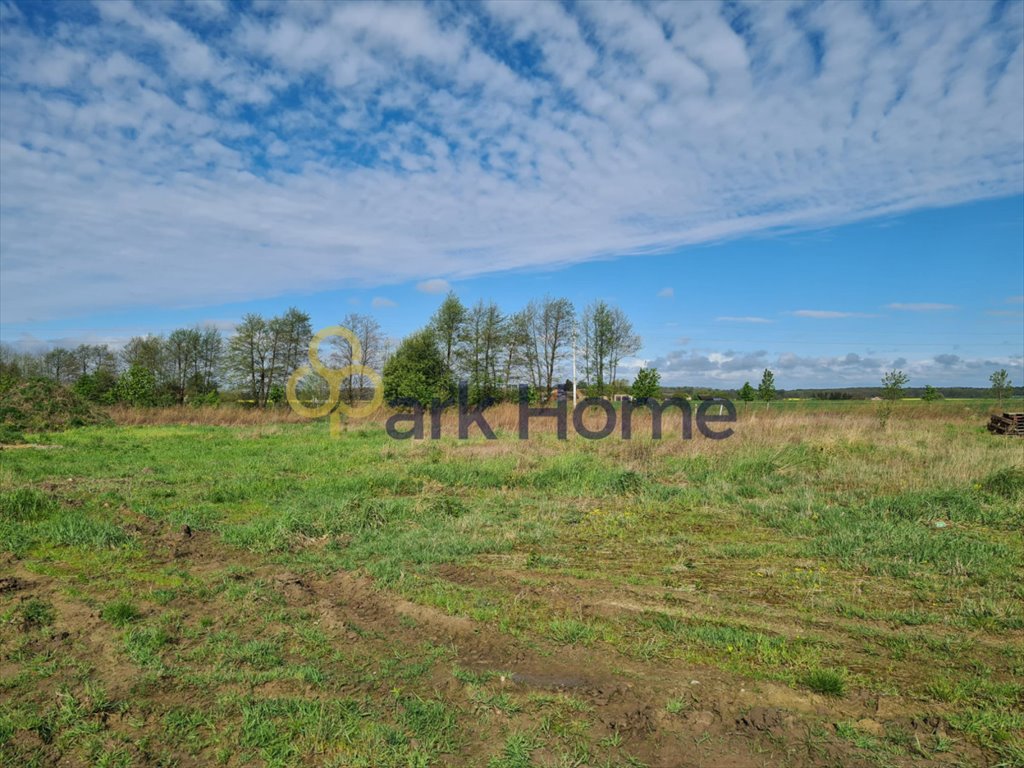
[(160, 157), (922, 307), (1015, 300), (667, 293), (827, 314), (746, 319), (435, 285), (211, 8), (729, 368), (379, 302), (115, 338)]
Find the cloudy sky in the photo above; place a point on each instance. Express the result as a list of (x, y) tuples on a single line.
[(829, 189)]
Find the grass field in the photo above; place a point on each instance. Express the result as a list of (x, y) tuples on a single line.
[(818, 590)]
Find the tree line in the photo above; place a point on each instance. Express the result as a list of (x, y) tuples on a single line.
[(185, 365), (493, 351), (894, 387)]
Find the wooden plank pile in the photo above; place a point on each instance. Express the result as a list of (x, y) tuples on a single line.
[(1007, 424)]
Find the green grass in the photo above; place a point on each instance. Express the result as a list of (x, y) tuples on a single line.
[(144, 645), (570, 632), (36, 613), (825, 557), (24, 504), (828, 682), (120, 613), (1008, 482), (516, 752), (675, 706)]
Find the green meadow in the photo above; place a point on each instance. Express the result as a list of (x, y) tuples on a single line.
[(821, 589)]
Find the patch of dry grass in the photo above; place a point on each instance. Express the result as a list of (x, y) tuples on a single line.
[(206, 415)]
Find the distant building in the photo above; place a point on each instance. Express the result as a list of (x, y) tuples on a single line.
[(565, 393)]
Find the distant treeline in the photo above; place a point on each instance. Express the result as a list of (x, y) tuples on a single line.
[(845, 393), (494, 351)]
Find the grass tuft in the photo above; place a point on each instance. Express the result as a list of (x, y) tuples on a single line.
[(1008, 483), (120, 613), (828, 682), (25, 504), (571, 632), (36, 613)]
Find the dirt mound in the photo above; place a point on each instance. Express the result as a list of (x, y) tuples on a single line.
[(40, 405)]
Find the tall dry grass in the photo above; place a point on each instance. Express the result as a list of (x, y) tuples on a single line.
[(842, 448), (504, 417), (207, 415)]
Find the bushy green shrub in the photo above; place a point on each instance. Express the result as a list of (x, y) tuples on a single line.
[(41, 405), (209, 398), (137, 386), (10, 435), (417, 372), (98, 387)]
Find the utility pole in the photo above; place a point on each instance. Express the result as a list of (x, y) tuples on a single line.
[(574, 365)]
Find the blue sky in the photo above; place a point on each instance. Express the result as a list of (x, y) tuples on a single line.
[(830, 190)]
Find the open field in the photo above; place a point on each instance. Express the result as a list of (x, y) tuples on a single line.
[(818, 590)]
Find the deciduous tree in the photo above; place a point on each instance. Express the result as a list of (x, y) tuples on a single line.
[(61, 365), (447, 328), (1001, 386), (250, 357), (483, 342), (551, 325), (181, 357), (146, 352), (371, 340), (607, 337), (892, 385)]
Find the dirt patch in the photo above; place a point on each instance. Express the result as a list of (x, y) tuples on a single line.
[(627, 700), (12, 584), (29, 447), (765, 719)]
